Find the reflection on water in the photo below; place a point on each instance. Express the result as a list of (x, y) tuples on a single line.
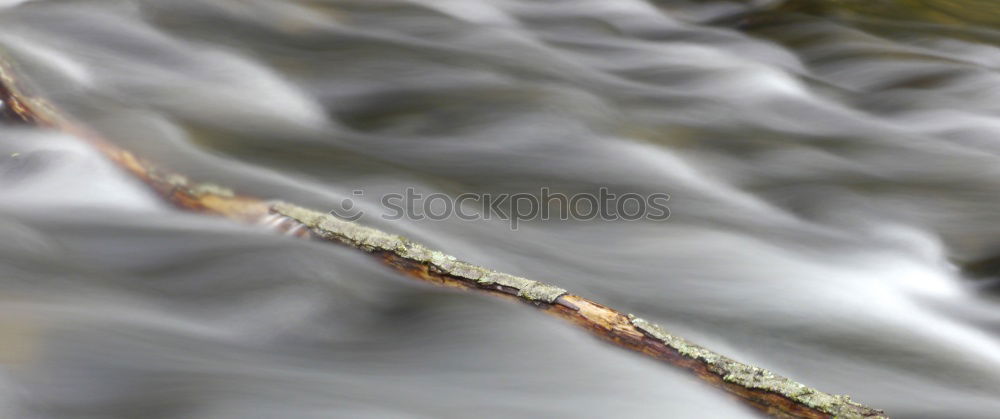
[(832, 167)]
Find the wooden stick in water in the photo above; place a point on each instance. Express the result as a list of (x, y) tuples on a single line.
[(768, 392)]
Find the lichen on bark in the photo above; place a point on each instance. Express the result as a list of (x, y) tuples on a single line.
[(749, 376), (369, 239)]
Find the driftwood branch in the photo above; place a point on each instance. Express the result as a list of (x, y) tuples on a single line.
[(768, 392)]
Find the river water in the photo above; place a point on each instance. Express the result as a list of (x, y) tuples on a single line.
[(833, 169)]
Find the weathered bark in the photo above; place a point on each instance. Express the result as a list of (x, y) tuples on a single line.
[(759, 388)]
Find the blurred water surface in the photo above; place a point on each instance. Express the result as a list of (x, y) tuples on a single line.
[(833, 166)]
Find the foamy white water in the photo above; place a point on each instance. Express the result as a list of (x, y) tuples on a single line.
[(832, 168)]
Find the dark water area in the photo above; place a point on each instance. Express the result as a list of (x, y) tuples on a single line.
[(833, 170)]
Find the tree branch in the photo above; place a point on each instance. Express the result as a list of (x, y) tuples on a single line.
[(768, 392)]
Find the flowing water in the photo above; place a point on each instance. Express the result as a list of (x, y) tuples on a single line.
[(833, 169)]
